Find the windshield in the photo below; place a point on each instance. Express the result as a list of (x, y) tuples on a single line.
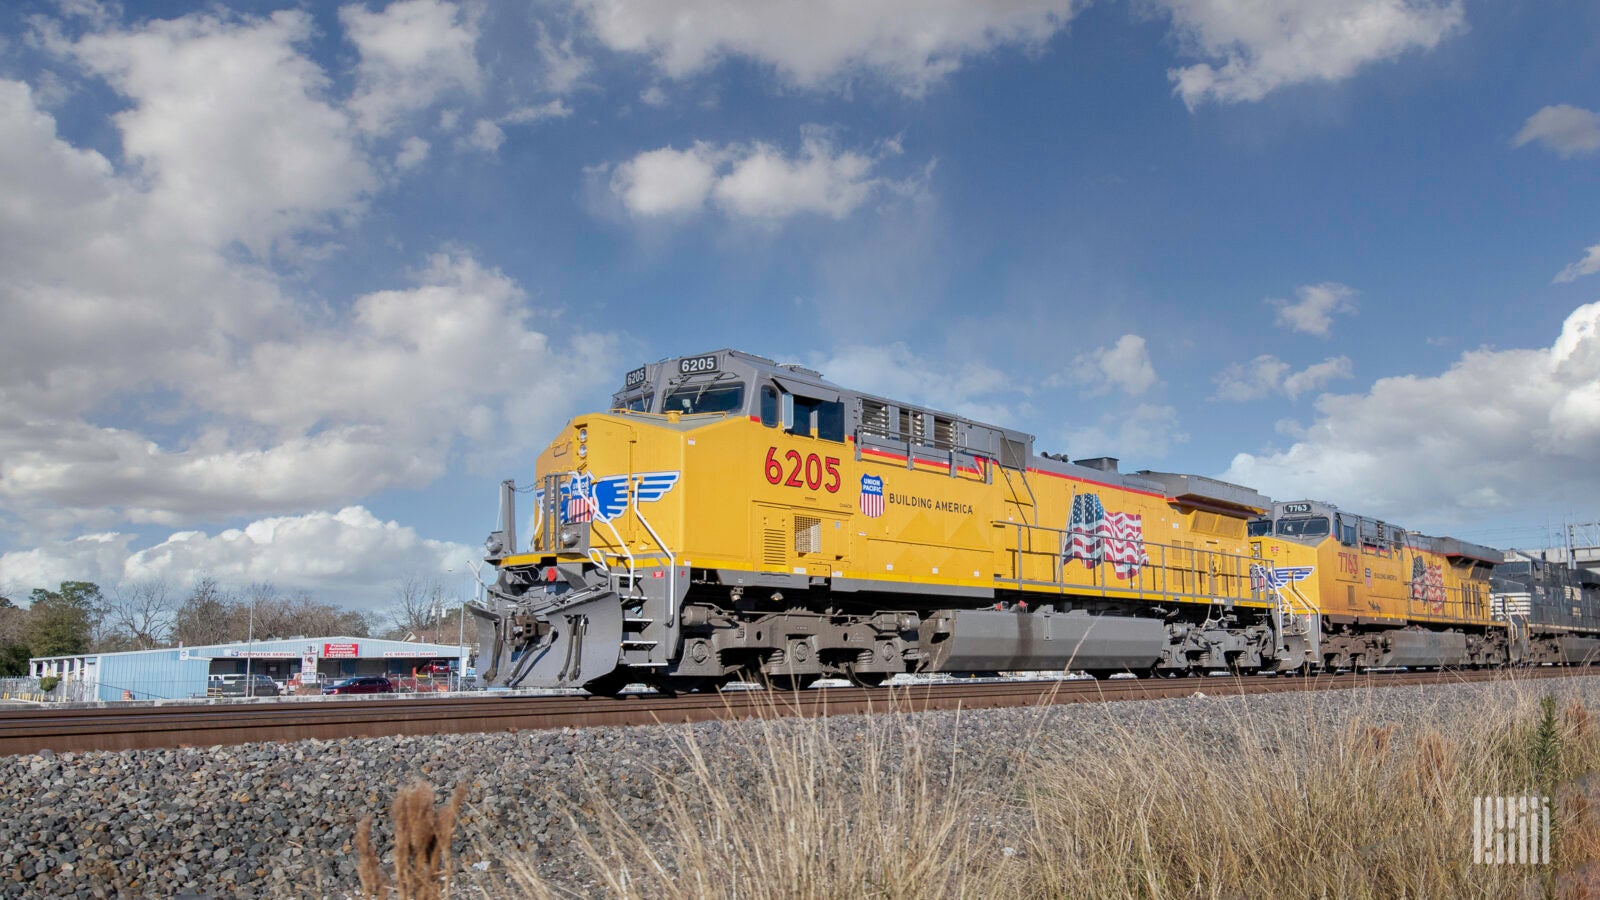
[(640, 403), (1261, 528), (1303, 527), (705, 398)]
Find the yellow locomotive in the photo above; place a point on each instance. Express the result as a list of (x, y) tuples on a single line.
[(1381, 596), (732, 515)]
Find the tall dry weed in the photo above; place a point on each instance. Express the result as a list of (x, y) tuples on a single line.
[(422, 836)]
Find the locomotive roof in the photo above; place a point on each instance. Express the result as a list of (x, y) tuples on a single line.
[(1374, 530)]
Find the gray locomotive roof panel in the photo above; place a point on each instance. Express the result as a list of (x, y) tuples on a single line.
[(1179, 486), (1450, 546)]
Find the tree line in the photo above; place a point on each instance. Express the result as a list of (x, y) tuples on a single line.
[(79, 617)]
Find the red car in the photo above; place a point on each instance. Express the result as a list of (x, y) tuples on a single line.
[(361, 684)]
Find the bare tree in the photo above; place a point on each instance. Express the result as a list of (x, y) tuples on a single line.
[(277, 615), (139, 616), (416, 606), (205, 616)]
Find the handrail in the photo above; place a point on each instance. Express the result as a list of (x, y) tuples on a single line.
[(1169, 569), (672, 558), (982, 460)]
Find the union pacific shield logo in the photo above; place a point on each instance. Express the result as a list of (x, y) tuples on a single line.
[(872, 496)]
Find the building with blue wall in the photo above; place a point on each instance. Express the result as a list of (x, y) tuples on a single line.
[(176, 673)]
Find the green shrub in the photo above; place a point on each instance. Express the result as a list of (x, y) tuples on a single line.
[(48, 683)]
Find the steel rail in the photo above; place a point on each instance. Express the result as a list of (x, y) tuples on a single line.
[(79, 729)]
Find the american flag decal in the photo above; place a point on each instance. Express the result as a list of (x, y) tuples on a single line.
[(1427, 584), (1097, 536), (871, 496), (577, 500)]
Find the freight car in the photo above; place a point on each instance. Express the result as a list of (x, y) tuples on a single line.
[(1553, 610), (1370, 594)]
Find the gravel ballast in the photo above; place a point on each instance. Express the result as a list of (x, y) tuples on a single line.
[(281, 819)]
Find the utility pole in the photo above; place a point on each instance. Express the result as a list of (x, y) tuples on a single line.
[(250, 650)]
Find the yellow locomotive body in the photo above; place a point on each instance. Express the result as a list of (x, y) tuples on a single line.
[(1385, 596), (731, 515), (745, 516)]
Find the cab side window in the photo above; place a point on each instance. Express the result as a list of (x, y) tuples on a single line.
[(823, 417), (769, 406)]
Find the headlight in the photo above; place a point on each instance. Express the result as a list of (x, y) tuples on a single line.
[(582, 451), (583, 435), (569, 536)]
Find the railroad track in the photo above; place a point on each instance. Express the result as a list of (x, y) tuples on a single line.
[(148, 727)]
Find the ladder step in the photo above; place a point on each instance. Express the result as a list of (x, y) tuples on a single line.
[(642, 623), (638, 645)]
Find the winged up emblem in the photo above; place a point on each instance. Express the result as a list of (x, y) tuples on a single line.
[(607, 498)]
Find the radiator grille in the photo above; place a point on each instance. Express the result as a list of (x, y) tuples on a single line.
[(807, 534)]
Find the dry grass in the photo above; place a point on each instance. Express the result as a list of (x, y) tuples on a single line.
[(1233, 803), (422, 835)]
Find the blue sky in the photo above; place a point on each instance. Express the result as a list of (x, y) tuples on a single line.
[(285, 290)]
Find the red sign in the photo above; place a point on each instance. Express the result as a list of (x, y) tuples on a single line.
[(330, 651)]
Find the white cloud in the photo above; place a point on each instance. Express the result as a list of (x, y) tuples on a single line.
[(230, 398), (327, 412), (1253, 380), (1316, 376), (99, 292), (412, 53), (969, 388), (767, 184), (1123, 366), (1568, 130), (564, 67), (1267, 374), (910, 44), (486, 136), (667, 182), (350, 551), (1147, 431), (230, 126), (92, 557), (754, 181), (1313, 313), (1259, 47), (413, 153), (1589, 265), (524, 115), (1499, 429)]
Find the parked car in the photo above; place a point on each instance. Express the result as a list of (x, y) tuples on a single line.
[(256, 685), (361, 684)]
